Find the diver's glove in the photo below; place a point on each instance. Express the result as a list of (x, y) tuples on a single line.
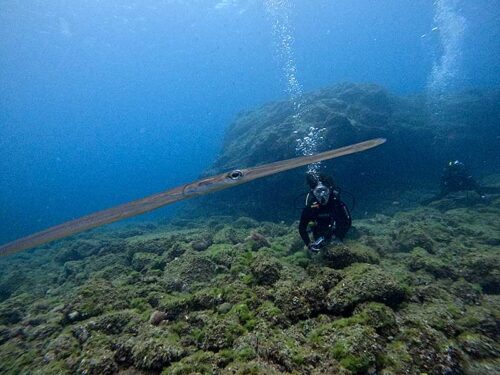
[(317, 245), (312, 247)]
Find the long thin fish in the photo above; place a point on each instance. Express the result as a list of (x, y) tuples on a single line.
[(197, 188)]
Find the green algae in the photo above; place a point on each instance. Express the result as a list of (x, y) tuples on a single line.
[(235, 308)]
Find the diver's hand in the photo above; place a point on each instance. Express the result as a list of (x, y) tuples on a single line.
[(313, 247)]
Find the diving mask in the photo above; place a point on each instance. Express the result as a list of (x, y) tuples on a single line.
[(321, 193)]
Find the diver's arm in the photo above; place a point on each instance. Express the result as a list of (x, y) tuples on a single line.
[(304, 220)]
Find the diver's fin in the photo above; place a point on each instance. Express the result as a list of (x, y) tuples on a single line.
[(200, 187)]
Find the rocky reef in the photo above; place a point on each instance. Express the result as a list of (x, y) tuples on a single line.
[(419, 142), (410, 293)]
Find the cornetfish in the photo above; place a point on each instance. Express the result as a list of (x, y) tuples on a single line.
[(193, 189)]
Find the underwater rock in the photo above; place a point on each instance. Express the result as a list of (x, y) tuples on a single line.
[(343, 255), (428, 350), (411, 237), (266, 270), (484, 269), (420, 259), (155, 353), (220, 334), (80, 333), (229, 235), (291, 301), (228, 309), (257, 241), (4, 334), (364, 283), (201, 245), (147, 261), (479, 346), (101, 363), (157, 317), (245, 223), (182, 273), (114, 322), (377, 315), (93, 298), (150, 244), (62, 346), (10, 283), (356, 348)]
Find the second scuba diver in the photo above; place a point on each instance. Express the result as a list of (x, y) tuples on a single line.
[(455, 178), (327, 216)]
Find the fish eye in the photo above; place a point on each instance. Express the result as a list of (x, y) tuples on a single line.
[(235, 175)]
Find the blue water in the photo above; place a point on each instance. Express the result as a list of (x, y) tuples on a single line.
[(102, 102)]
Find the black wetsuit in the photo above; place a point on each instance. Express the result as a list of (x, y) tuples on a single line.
[(332, 219), (457, 178)]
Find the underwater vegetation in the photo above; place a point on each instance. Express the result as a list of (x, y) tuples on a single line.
[(410, 293)]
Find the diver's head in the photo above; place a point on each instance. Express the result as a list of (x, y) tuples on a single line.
[(321, 193), (313, 179), (455, 164)]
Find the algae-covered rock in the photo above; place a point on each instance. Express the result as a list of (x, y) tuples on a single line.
[(4, 334), (162, 305), (97, 363), (343, 255), (183, 273), (265, 269), (356, 348), (420, 259), (62, 346), (115, 322), (155, 353), (230, 235), (10, 282), (147, 261), (93, 298), (220, 334), (427, 350), (291, 300), (257, 241), (150, 244), (479, 346), (363, 283), (484, 269)]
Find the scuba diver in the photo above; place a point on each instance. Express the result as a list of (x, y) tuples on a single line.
[(455, 178), (329, 217)]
